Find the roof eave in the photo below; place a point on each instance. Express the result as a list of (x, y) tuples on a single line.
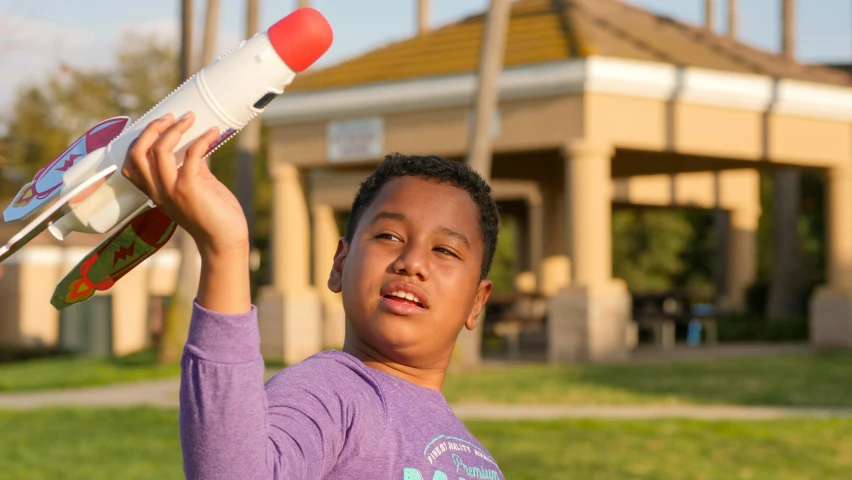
[(590, 74)]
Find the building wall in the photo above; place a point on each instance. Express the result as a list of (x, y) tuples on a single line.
[(10, 304), (38, 322), (717, 132), (523, 125), (810, 142), (30, 276)]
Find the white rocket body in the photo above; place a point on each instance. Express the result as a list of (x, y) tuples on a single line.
[(94, 197), (227, 94)]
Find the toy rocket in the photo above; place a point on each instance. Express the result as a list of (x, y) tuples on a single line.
[(79, 191)]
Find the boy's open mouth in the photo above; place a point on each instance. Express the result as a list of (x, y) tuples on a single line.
[(400, 296), (405, 295)]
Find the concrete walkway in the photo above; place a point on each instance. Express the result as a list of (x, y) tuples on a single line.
[(156, 393), (164, 394)]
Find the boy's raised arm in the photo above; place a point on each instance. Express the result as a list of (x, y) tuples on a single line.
[(223, 429), (228, 428)]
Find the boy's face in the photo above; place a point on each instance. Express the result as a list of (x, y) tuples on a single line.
[(417, 239)]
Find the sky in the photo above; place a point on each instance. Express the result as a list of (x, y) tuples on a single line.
[(38, 35)]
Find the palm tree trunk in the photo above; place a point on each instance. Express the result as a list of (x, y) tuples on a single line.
[(176, 325), (211, 32), (248, 141), (423, 17), (469, 343), (786, 287), (490, 65)]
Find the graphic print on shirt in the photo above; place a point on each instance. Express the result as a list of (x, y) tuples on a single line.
[(452, 457)]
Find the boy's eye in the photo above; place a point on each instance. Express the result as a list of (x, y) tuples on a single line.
[(445, 251), (388, 236)]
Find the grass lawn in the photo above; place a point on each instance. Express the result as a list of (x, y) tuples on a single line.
[(70, 371), (60, 372), (789, 380), (671, 449), (143, 444)]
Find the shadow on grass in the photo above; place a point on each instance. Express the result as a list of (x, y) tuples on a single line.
[(806, 379), (146, 358), (79, 371), (798, 380)]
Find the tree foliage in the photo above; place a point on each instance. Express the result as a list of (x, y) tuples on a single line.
[(648, 246), (503, 267), (46, 117)]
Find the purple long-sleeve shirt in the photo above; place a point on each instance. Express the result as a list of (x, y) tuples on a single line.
[(327, 417)]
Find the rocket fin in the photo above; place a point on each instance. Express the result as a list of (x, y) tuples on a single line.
[(129, 246), (51, 214), (47, 183)]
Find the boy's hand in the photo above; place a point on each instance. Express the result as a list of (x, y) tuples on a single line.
[(191, 195), (201, 204)]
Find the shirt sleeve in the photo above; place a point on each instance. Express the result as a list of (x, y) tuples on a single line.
[(229, 430)]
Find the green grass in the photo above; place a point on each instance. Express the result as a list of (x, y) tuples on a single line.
[(143, 443), (789, 380), (671, 449), (62, 372), (91, 444), (72, 371)]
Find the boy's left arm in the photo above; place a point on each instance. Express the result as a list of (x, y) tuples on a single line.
[(230, 429), (222, 416), (226, 428)]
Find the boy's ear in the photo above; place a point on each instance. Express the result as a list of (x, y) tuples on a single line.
[(335, 277), (482, 294)]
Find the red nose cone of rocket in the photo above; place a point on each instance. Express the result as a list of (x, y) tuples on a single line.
[(301, 38)]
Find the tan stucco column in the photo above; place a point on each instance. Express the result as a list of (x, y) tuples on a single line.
[(741, 258), (326, 236), (555, 268), (289, 310), (587, 321), (130, 299), (535, 224), (831, 306), (529, 280)]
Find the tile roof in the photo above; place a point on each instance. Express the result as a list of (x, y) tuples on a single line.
[(553, 30)]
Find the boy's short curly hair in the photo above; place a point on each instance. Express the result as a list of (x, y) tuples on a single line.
[(439, 170)]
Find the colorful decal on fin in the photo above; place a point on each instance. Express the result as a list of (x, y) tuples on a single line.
[(51, 213), (137, 240), (48, 180)]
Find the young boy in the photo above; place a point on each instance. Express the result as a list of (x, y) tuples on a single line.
[(411, 270)]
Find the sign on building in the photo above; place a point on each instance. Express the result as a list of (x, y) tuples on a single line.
[(355, 139)]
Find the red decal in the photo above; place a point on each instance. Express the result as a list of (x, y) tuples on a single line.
[(69, 162), (122, 253)]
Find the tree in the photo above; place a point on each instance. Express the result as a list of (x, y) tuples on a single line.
[(45, 117), (176, 327), (248, 145), (650, 246), (479, 149)]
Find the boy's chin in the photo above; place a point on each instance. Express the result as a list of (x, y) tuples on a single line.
[(395, 336)]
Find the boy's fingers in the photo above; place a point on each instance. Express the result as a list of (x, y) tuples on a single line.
[(139, 147), (136, 165), (131, 173), (164, 158), (195, 153), (165, 145)]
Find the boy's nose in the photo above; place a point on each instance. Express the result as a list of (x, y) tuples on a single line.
[(412, 262)]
